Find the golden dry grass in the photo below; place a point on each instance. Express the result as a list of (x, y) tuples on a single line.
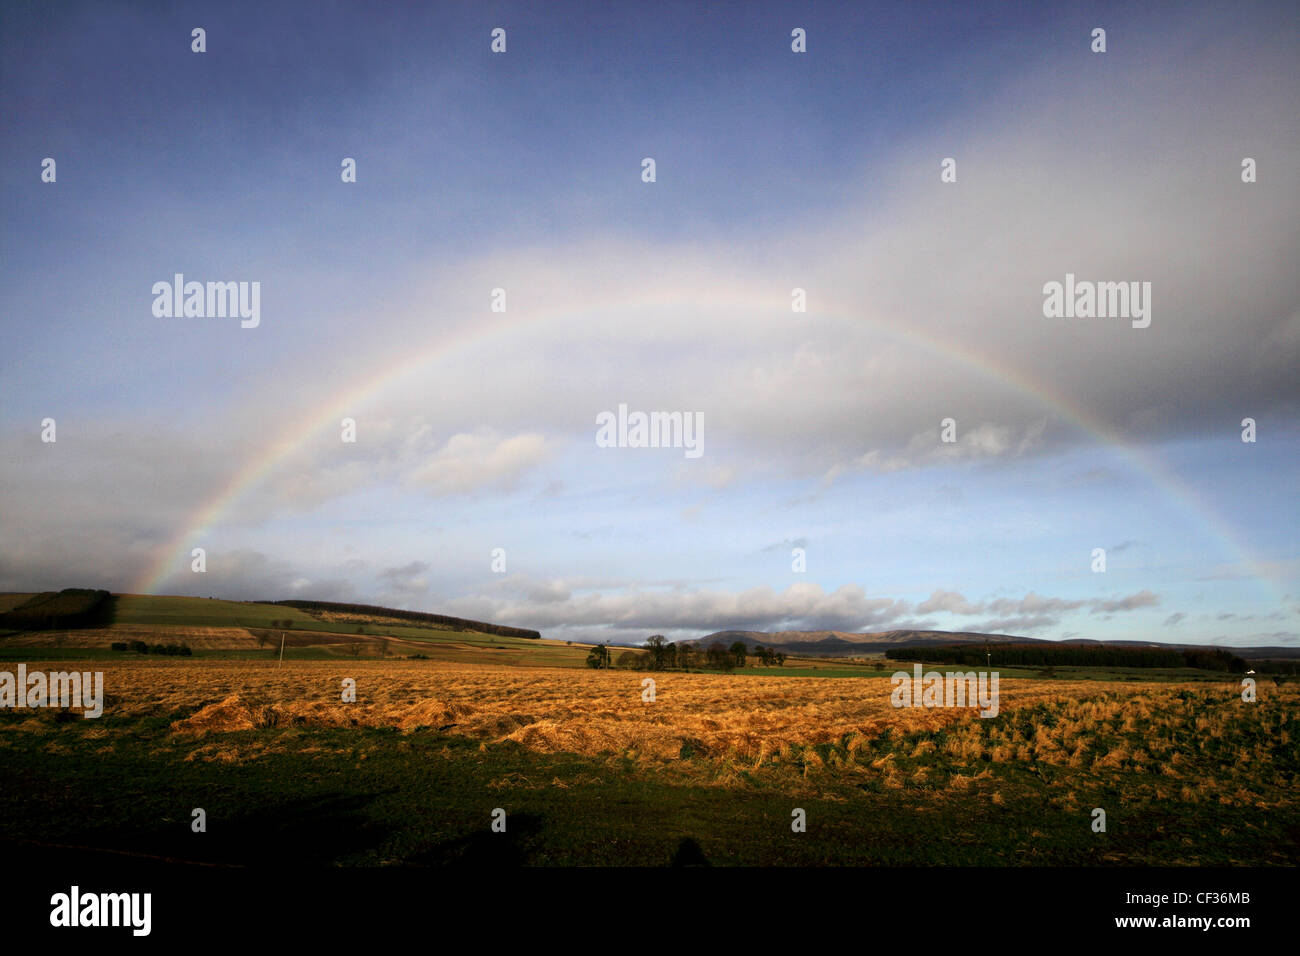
[(748, 719), (585, 712)]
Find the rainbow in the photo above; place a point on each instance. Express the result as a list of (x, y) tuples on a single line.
[(174, 555)]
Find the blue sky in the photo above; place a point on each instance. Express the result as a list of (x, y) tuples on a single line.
[(775, 170)]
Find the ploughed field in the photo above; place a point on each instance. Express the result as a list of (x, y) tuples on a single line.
[(1187, 773)]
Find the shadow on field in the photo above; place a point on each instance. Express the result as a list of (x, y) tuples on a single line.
[(689, 854), (485, 848), (311, 831), (314, 831)]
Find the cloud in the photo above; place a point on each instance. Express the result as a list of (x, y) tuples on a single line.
[(404, 584), (1142, 598), (549, 592), (1031, 612), (1018, 624), (249, 575), (949, 601), (1174, 619), (480, 461), (785, 544), (405, 570), (572, 608), (801, 606), (786, 398)]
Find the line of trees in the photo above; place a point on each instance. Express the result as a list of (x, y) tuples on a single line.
[(769, 657), (660, 654), (1276, 667), (140, 647), (1079, 655)]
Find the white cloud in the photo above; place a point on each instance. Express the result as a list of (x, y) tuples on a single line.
[(480, 461)]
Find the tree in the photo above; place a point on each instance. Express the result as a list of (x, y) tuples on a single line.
[(628, 660), (719, 658), (355, 648), (738, 651), (599, 656), (656, 644), (684, 656), (780, 659)]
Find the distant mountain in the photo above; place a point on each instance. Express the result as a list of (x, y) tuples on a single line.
[(846, 643), (849, 643)]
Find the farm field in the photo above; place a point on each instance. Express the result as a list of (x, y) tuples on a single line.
[(710, 771), (147, 611), (10, 600), (250, 630)]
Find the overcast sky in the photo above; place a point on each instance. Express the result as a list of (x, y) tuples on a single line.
[(775, 170)]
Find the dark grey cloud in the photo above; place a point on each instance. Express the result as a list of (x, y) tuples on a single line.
[(405, 571)]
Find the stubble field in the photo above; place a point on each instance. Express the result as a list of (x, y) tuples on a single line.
[(1187, 773)]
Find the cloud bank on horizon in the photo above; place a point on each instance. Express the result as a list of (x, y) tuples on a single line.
[(825, 496)]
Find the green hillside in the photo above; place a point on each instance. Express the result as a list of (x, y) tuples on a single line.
[(147, 610)]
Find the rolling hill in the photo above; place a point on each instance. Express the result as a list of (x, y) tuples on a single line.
[(78, 622)]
